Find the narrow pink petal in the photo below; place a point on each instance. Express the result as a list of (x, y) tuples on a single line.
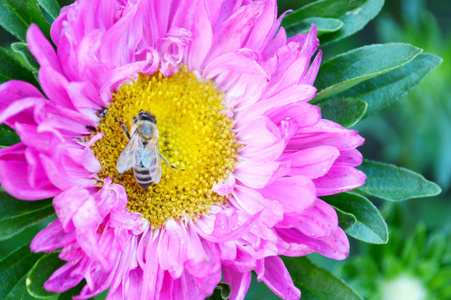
[(335, 246), (13, 90), (64, 278), (172, 247), (276, 103), (186, 288), (55, 85), (295, 193), (277, 278), (230, 35), (350, 157), (310, 77), (14, 176), (68, 203), (317, 222), (278, 41), (41, 48), (202, 37), (31, 136), (51, 238), (325, 133), (225, 228), (262, 28), (339, 179), (239, 282), (86, 221), (253, 202), (304, 114), (312, 162), (256, 174), (88, 159), (20, 111)]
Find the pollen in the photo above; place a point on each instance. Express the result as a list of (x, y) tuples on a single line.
[(194, 136)]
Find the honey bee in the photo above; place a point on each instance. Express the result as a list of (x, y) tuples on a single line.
[(142, 152)]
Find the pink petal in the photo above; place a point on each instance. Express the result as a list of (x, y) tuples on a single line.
[(225, 228), (229, 36), (239, 282), (41, 48), (294, 193), (310, 77), (256, 174), (312, 162), (88, 159), (304, 114), (14, 175), (276, 276), (64, 278), (350, 157), (253, 202), (67, 205), (325, 133), (20, 111), (262, 28), (172, 247), (335, 246), (51, 238), (293, 94), (13, 90), (340, 178), (202, 38), (318, 222)]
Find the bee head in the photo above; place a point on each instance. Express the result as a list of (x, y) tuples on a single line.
[(147, 116)]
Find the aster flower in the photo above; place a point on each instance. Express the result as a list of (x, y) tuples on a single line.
[(230, 94)]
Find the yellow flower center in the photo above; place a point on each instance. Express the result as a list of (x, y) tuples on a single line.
[(193, 135)]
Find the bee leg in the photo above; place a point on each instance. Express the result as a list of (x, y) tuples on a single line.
[(169, 165), (124, 128)]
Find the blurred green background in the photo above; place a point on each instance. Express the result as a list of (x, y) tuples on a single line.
[(414, 133)]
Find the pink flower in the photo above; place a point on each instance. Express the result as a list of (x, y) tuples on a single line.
[(285, 154)]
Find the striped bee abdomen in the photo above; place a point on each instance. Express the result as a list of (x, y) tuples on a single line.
[(142, 176)]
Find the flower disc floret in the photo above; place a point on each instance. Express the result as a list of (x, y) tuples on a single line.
[(195, 135)]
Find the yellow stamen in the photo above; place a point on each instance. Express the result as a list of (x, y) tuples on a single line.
[(194, 135)]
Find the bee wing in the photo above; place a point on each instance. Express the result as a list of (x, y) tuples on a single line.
[(151, 160), (131, 155)]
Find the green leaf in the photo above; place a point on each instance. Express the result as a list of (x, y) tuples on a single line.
[(22, 49), (17, 15), (349, 69), (317, 283), (382, 91), (370, 226), (40, 272), (12, 69), (354, 14), (345, 220), (63, 3), (393, 183), (344, 111), (13, 271), (8, 136), (16, 215), (324, 25), (51, 7)]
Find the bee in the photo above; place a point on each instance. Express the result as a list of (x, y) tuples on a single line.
[(142, 152)]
